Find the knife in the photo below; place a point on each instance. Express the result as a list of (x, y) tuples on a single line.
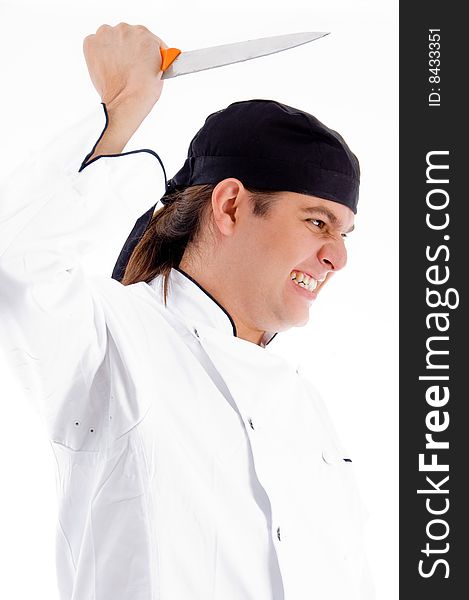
[(174, 62)]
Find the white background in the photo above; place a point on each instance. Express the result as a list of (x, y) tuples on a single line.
[(349, 348)]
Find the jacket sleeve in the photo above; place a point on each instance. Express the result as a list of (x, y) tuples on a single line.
[(54, 211)]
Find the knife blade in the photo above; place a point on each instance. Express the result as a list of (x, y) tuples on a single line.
[(175, 62)]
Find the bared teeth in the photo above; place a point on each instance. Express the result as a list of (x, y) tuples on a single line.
[(304, 280)]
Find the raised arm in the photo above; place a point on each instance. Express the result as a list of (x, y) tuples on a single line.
[(124, 65), (52, 213)]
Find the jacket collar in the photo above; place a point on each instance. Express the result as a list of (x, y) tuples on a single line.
[(193, 304)]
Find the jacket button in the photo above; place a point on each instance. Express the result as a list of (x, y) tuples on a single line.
[(250, 423), (278, 533)]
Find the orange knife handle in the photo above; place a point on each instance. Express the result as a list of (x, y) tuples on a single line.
[(168, 55)]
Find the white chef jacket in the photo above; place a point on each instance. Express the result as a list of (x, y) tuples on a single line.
[(191, 464)]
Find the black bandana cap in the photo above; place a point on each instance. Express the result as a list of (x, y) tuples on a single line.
[(268, 146)]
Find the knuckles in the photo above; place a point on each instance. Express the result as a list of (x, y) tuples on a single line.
[(122, 26), (107, 34), (122, 29), (103, 28)]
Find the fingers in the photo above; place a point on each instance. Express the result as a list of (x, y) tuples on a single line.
[(124, 28), (103, 28), (124, 59)]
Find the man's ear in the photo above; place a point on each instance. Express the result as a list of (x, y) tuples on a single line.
[(226, 198)]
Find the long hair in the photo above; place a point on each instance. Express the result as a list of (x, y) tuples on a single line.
[(173, 227)]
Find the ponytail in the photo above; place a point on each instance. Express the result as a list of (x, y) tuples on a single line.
[(172, 228)]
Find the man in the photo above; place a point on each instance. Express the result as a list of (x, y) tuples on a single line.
[(192, 461)]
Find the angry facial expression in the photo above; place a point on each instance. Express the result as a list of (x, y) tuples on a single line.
[(285, 257)]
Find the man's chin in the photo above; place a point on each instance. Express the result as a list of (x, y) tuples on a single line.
[(302, 322), (294, 321)]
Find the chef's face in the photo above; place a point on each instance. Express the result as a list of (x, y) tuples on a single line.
[(285, 258)]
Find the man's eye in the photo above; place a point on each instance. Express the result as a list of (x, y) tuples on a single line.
[(317, 222)]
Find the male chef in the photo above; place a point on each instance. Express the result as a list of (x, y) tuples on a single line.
[(192, 462)]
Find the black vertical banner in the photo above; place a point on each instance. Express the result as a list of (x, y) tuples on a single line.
[(434, 256)]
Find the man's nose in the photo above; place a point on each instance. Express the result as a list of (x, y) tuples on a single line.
[(333, 255)]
